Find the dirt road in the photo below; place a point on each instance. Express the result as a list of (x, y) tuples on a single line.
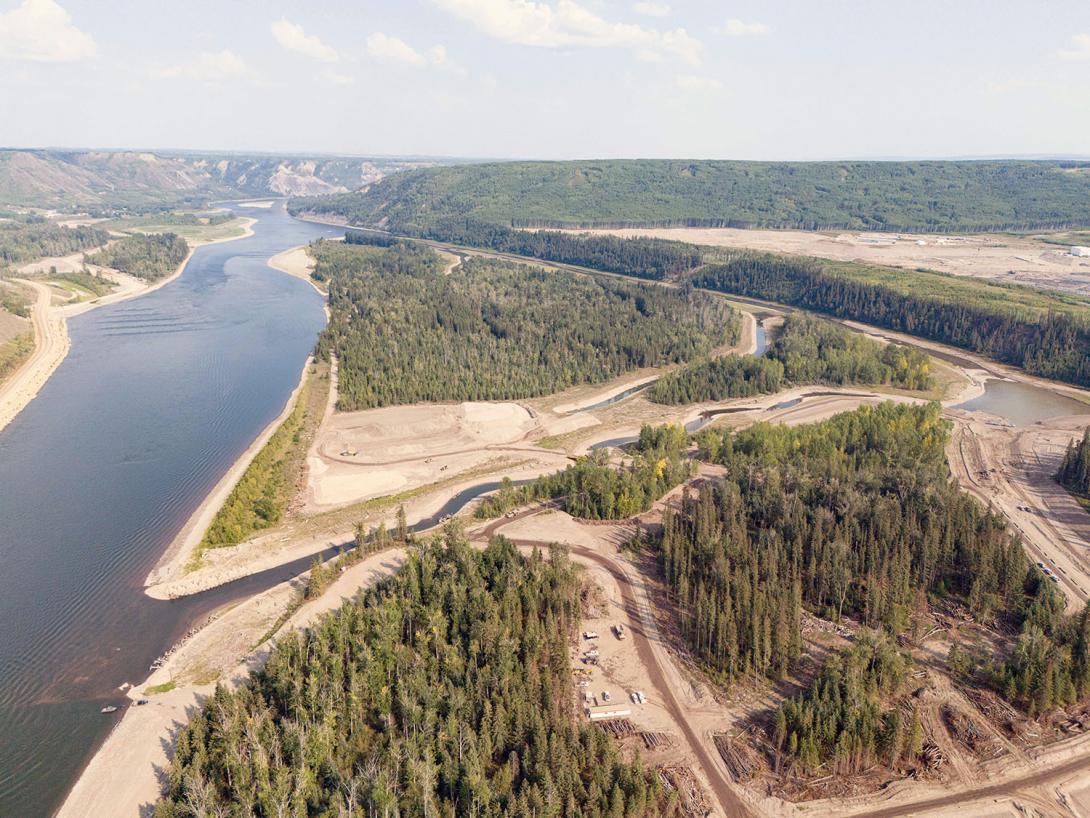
[(50, 347), (644, 635)]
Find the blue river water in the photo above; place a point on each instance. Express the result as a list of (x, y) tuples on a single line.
[(158, 396)]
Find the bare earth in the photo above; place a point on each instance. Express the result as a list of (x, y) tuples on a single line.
[(1024, 260)]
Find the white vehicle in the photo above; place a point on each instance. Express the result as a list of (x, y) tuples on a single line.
[(641, 696), (618, 630), (590, 635), (605, 696)]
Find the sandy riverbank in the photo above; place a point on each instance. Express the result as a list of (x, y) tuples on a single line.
[(172, 565), (123, 779), (51, 342)]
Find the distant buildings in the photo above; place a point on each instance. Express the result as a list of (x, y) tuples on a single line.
[(1083, 252)]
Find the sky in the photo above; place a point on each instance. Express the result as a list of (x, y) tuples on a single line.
[(779, 79)]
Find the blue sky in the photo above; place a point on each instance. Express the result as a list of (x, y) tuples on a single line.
[(807, 79)]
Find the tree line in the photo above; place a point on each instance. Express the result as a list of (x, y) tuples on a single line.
[(403, 332), (806, 350), (1052, 345), (854, 516), (32, 238), (147, 256), (1074, 473), (594, 489), (445, 690)]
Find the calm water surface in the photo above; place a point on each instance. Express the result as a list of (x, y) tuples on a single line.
[(1023, 404), (157, 398)]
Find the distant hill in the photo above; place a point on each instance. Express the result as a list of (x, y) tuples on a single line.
[(126, 180), (901, 196)]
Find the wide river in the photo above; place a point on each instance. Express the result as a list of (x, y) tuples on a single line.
[(156, 400)]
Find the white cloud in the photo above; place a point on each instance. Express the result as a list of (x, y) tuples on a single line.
[(41, 31), (438, 55), (209, 67), (1081, 50), (336, 78), (391, 49), (292, 37), (651, 8), (567, 24), (740, 28), (697, 82)]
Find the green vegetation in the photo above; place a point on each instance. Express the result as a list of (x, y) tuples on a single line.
[(445, 690), (806, 350), (1044, 333), (637, 257), (403, 332), (14, 351), (165, 687), (83, 283), (263, 493), (34, 238), (149, 257), (853, 516), (842, 723), (902, 196), (15, 300), (592, 489), (1074, 473), (190, 225)]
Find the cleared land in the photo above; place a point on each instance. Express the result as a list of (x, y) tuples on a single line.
[(1017, 259)]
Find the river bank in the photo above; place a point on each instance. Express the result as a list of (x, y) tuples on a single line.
[(51, 340), (124, 778)]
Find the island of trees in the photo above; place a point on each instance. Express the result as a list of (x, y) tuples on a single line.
[(403, 332), (806, 350), (592, 488), (149, 257), (445, 690)]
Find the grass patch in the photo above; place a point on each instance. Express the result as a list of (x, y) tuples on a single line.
[(84, 285), (165, 687), (14, 352), (261, 497)]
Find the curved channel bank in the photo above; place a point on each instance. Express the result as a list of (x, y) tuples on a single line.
[(156, 400)]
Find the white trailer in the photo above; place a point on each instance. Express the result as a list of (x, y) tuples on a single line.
[(597, 714), (1081, 252)]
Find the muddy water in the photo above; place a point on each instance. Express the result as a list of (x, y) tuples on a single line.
[(157, 398), (1023, 404)]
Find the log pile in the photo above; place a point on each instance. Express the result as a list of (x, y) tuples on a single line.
[(741, 761), (970, 733), (617, 728), (656, 741), (691, 796)]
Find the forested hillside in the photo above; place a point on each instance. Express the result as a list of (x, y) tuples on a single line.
[(1074, 471), (902, 196), (403, 332), (444, 691), (1047, 335), (806, 350), (149, 257), (31, 238)]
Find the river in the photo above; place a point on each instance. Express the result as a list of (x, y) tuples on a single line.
[(157, 398)]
